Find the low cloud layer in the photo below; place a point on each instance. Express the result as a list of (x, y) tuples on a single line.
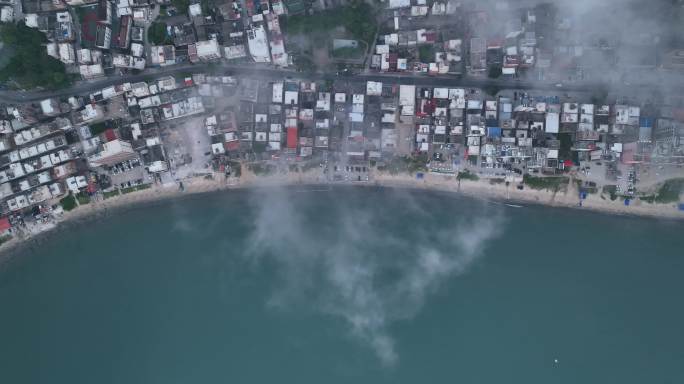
[(358, 265)]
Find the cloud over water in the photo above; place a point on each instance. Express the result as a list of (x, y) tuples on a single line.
[(368, 265)]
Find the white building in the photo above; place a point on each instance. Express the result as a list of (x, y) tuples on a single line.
[(235, 52), (399, 4), (66, 53), (278, 54), (84, 56), (6, 14), (291, 98), (163, 55), (137, 49), (111, 153), (128, 61), (195, 9), (277, 94), (50, 107), (407, 95), (373, 88), (552, 122), (258, 44), (191, 106), (208, 50), (91, 71)]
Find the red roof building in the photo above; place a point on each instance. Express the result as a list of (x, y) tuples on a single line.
[(4, 224), (110, 135), (231, 145), (292, 137)]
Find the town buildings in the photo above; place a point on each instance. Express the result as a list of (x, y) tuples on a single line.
[(137, 133)]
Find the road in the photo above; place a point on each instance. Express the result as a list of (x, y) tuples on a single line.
[(86, 87)]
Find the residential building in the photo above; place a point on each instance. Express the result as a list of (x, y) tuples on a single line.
[(257, 43), (112, 152)]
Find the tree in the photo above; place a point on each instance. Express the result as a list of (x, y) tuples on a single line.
[(426, 54), (494, 72), (599, 94), (181, 6), (491, 89), (357, 18), (156, 33), (304, 64), (30, 65)]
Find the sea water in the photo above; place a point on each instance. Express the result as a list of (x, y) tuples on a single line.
[(347, 285)]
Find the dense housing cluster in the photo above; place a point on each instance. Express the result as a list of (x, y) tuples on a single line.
[(223, 90)]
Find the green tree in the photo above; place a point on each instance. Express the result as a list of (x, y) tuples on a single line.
[(304, 63), (357, 18), (491, 89), (494, 72), (181, 5), (426, 53), (156, 33), (30, 65)]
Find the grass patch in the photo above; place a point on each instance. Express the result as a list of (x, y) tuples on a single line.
[(554, 183), (426, 53), (111, 194), (648, 198), (68, 203), (348, 53), (406, 164), (157, 35), (135, 188), (467, 175), (83, 198), (358, 19), (97, 128), (669, 191), (261, 169)]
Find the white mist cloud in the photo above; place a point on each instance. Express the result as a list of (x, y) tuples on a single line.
[(353, 268)]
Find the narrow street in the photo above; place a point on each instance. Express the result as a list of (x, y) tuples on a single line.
[(264, 73)]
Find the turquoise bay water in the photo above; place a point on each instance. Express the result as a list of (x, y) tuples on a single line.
[(366, 286)]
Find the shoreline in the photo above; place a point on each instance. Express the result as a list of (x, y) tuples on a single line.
[(481, 190), (499, 193)]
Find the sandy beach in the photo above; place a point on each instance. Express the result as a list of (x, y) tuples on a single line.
[(481, 189), (500, 192)]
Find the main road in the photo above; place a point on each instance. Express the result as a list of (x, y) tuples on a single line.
[(86, 87)]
